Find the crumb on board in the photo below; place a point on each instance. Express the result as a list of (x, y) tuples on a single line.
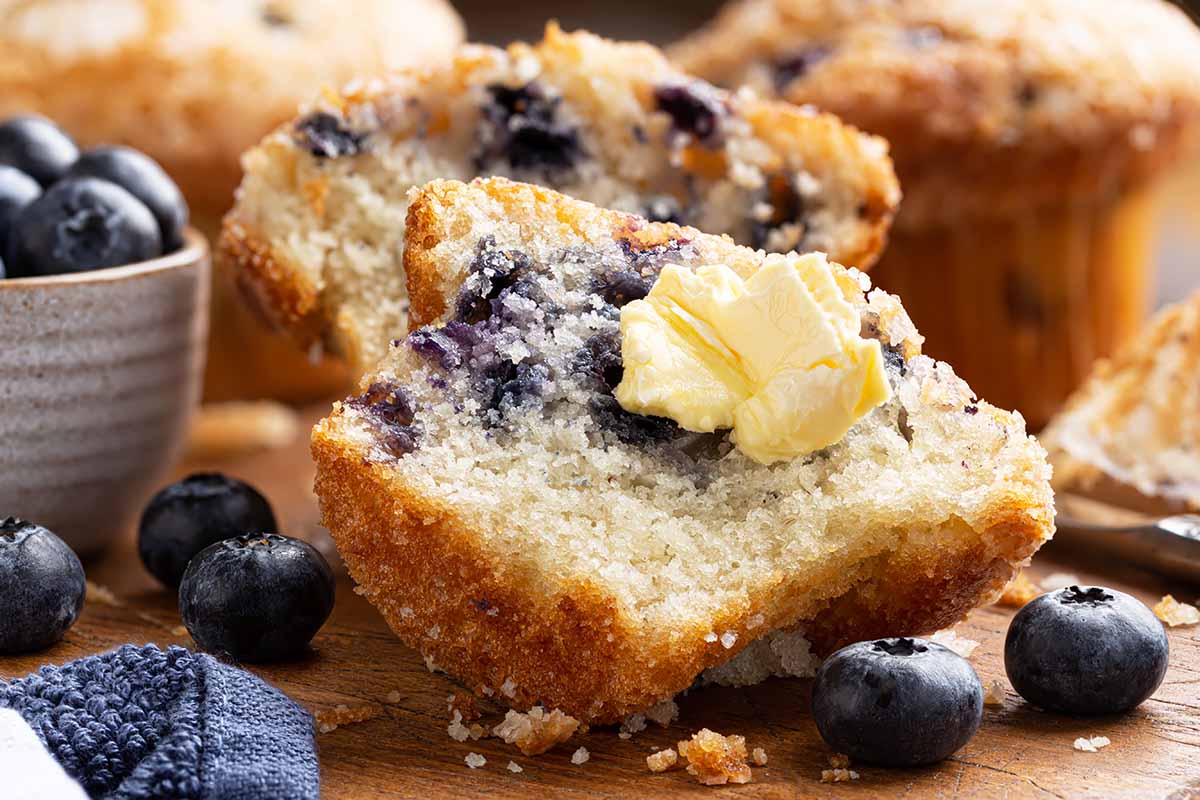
[(758, 757), (951, 640), (1175, 613), (714, 759), (474, 760), (839, 761), (330, 719), (993, 693), (1019, 591), (663, 760), (663, 712), (1059, 580), (580, 756), (223, 430), (514, 767), (460, 732), (101, 594), (624, 735), (1093, 744), (838, 775), (393, 697), (537, 731)]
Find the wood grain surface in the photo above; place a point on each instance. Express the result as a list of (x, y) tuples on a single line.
[(402, 749)]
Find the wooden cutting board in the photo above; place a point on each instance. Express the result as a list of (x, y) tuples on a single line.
[(401, 749)]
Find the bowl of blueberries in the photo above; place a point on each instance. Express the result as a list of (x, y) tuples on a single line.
[(103, 323)]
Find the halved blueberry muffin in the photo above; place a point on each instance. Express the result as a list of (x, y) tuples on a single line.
[(535, 539), (318, 230)]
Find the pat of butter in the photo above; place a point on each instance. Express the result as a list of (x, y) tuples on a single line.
[(778, 357)]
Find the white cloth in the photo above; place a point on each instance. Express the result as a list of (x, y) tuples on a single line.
[(27, 770)]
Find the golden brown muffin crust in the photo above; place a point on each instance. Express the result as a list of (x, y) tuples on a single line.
[(1048, 96)]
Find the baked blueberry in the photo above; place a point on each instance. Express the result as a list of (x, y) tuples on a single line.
[(81, 224), (41, 587), (897, 702), (1085, 650), (259, 597), (324, 135), (142, 177), (17, 190), (694, 108), (198, 511), (37, 147)]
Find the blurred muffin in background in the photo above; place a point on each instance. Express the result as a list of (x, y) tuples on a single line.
[(1029, 136), (193, 83)]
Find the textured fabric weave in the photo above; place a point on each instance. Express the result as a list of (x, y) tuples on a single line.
[(141, 723)]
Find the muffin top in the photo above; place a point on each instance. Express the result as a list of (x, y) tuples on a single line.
[(1040, 96), (193, 83)]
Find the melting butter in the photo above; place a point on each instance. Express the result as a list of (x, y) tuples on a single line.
[(777, 357)]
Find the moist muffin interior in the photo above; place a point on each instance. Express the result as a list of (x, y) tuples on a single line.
[(504, 411)]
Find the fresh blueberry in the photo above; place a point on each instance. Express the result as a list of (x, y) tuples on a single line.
[(188, 516), (3, 271), (41, 587), (1085, 650), (81, 224), (37, 147), (259, 597), (142, 177), (897, 702), (17, 190)]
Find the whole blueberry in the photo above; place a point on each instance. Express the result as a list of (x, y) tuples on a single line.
[(259, 597), (1085, 650), (81, 224), (897, 702), (198, 511), (17, 190), (37, 147), (141, 176), (41, 587)]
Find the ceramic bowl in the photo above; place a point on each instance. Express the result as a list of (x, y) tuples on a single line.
[(99, 375)]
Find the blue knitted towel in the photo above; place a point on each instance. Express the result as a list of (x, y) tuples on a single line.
[(143, 724)]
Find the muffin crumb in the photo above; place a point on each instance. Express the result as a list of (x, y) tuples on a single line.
[(839, 761), (758, 757), (838, 775), (714, 759), (663, 760), (959, 644), (393, 697), (474, 760), (580, 756), (330, 719), (1019, 591), (1092, 745), (1175, 613), (993, 694), (514, 767), (102, 594), (537, 731)]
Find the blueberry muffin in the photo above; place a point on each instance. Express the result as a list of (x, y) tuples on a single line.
[(533, 538), (1029, 136), (1132, 431), (317, 233), (193, 83)]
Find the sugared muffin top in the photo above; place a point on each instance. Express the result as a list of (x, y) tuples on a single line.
[(1003, 103), (195, 82)]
